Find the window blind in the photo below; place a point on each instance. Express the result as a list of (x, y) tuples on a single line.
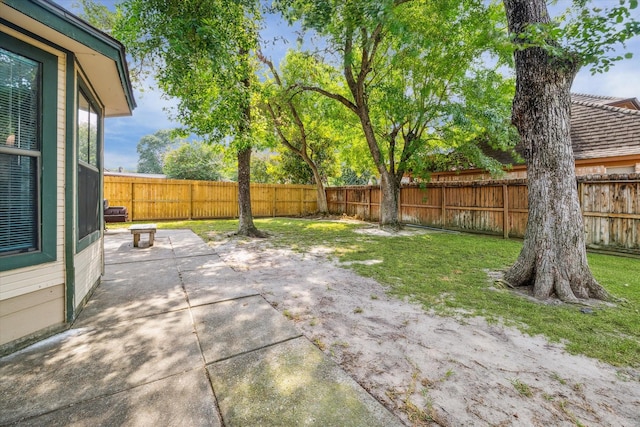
[(19, 153)]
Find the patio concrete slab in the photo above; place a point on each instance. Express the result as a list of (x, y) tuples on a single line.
[(160, 271), (133, 290), (187, 243), (210, 286), (180, 400), (200, 296), (234, 327), (292, 384), (201, 262), (85, 363)]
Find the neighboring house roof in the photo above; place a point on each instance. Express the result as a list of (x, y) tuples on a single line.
[(100, 56), (601, 126), (630, 103), (135, 174)]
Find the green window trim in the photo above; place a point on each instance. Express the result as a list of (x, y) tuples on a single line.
[(47, 195), (87, 241)]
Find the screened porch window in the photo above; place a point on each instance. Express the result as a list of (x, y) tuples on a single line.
[(88, 167), (20, 155)]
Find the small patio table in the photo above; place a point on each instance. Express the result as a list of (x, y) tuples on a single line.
[(139, 229)]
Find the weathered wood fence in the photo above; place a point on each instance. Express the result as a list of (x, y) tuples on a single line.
[(610, 207), (167, 199), (610, 204)]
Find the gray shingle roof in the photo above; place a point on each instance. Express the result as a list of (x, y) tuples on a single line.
[(595, 99), (597, 129), (601, 130)]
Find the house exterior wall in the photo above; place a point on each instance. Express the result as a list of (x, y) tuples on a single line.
[(45, 282), (32, 313), (32, 298)]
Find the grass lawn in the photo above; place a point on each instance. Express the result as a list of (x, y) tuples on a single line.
[(447, 274)]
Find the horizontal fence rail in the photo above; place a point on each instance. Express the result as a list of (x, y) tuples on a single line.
[(610, 207), (174, 199)]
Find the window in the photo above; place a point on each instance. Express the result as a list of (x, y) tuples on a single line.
[(20, 155), (88, 167), (28, 154), (87, 131)]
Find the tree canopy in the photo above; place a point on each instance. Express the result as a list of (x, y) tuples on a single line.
[(195, 160), (151, 150), (307, 124), (200, 54), (408, 68)]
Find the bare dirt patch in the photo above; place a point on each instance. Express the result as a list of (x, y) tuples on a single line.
[(433, 370)]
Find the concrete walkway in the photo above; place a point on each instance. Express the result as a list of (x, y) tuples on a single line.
[(174, 337)]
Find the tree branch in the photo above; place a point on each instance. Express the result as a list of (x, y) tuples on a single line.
[(285, 141), (344, 101)]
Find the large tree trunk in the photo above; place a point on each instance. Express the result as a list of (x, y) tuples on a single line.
[(553, 258), (390, 190), (245, 216), (245, 226)]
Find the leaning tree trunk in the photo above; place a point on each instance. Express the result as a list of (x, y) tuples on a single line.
[(553, 258), (389, 185), (321, 195)]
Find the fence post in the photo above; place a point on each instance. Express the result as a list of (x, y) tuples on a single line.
[(273, 204), (369, 210), (132, 202), (443, 211), (191, 200), (346, 193), (301, 201), (400, 203), (505, 212)]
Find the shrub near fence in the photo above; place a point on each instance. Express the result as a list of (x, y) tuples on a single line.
[(170, 199), (610, 207)]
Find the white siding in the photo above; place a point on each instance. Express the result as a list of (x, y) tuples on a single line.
[(88, 269), (27, 314), (30, 279)]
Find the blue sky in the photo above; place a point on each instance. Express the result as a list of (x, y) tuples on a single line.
[(122, 134)]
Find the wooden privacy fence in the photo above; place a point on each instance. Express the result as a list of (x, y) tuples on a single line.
[(170, 199), (610, 207)]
